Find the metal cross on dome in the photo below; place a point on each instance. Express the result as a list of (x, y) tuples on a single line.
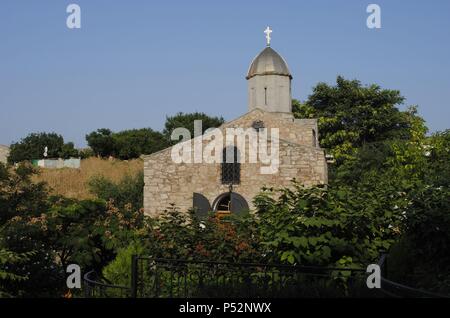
[(267, 32)]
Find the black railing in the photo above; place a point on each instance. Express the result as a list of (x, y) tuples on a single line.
[(182, 279), (154, 278), (397, 290), (97, 287)]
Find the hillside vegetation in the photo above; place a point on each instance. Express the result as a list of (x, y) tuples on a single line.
[(73, 183)]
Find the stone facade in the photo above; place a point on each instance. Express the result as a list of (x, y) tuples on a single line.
[(4, 152), (168, 183)]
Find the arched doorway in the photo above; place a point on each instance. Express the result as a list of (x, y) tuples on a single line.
[(223, 205), (230, 202)]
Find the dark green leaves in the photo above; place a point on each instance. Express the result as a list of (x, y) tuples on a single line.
[(32, 147), (351, 115)]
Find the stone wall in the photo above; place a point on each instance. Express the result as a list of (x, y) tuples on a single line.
[(168, 183), (4, 152)]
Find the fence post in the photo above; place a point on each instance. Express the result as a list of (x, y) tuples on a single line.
[(134, 275)]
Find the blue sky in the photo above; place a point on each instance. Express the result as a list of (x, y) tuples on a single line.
[(134, 62)]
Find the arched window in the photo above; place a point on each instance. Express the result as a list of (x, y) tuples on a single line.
[(231, 170)]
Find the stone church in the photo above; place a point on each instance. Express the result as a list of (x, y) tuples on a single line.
[(225, 187)]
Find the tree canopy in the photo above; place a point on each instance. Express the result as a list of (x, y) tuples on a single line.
[(129, 144), (351, 115), (182, 120), (33, 147)]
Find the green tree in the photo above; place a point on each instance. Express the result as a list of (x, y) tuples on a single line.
[(129, 144), (421, 258), (182, 120), (33, 147), (136, 142), (352, 115), (102, 142), (8, 260), (438, 154), (126, 144), (22, 216), (18, 194), (68, 151), (77, 232)]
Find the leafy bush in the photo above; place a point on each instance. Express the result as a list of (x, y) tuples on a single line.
[(41, 235), (322, 226), (425, 257), (86, 153), (119, 270), (180, 235), (130, 190), (8, 261)]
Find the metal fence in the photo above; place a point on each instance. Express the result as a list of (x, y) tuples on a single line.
[(97, 287), (161, 278), (397, 290), (186, 279)]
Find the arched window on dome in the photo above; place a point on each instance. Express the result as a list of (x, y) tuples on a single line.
[(231, 168)]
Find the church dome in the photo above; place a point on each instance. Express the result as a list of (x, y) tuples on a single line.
[(268, 62)]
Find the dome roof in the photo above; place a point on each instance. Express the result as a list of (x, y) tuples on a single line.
[(268, 62)]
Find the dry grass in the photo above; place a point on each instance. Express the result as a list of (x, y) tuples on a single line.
[(72, 183)]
